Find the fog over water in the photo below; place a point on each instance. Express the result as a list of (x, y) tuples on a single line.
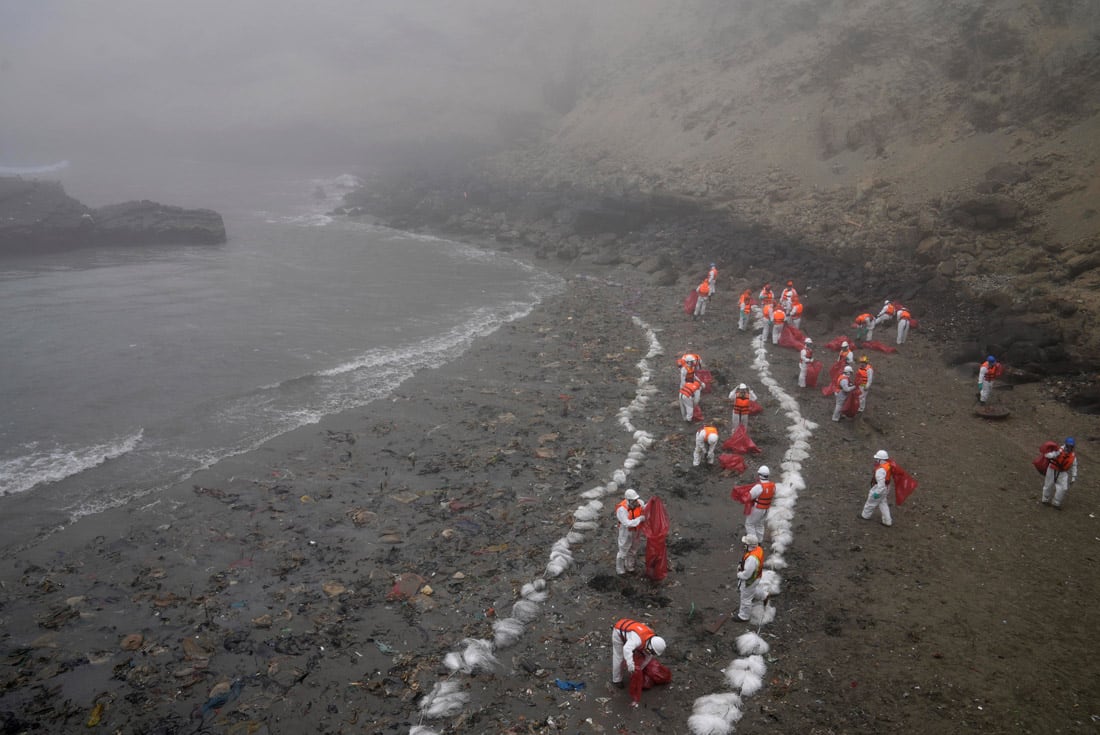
[(337, 80)]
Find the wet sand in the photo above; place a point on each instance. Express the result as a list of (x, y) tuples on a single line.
[(259, 597)]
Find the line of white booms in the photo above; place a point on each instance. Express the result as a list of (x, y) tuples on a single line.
[(712, 714)]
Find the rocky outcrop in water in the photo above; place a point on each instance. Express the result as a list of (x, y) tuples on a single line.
[(38, 216)]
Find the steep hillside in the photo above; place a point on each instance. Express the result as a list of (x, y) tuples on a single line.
[(952, 140)]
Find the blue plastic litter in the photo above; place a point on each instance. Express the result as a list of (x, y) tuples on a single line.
[(569, 686)]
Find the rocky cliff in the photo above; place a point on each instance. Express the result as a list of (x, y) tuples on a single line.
[(920, 150), (38, 216)]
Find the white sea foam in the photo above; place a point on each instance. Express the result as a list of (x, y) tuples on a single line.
[(36, 467)]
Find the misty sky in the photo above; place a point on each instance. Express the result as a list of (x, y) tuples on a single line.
[(79, 76)]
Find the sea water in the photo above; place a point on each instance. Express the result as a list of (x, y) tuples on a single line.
[(125, 369)]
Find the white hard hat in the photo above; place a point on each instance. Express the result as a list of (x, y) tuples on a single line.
[(750, 540), (881, 454), (843, 344), (742, 386), (657, 645), (847, 369), (809, 341), (631, 494), (886, 302), (763, 471)]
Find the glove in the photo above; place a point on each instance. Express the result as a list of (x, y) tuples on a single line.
[(876, 496), (980, 384)]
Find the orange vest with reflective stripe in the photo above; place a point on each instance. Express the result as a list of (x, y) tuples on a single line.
[(746, 302), (903, 314), (862, 372), (796, 310), (842, 356), (839, 380), (631, 513), (704, 288), (758, 552), (766, 296), (992, 371), (863, 318), (643, 631), (778, 316), (689, 389), (886, 465), (741, 404), (766, 310), (765, 500), (1064, 461)]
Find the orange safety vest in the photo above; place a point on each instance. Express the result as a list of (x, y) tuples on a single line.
[(862, 372), (741, 404), (788, 294), (778, 316), (890, 309), (758, 552), (809, 354), (745, 302), (1063, 462), (689, 389), (992, 371), (863, 318), (839, 380), (796, 310), (682, 362), (710, 431), (767, 310), (903, 314), (842, 356), (765, 500), (631, 513), (643, 631), (766, 295), (712, 274), (886, 465), (704, 288)]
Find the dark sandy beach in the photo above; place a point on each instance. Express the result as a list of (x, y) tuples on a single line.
[(259, 596)]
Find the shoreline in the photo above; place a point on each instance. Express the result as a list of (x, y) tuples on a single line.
[(262, 598)]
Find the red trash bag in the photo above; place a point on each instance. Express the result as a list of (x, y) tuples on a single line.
[(913, 323), (834, 373), (697, 414), (645, 677), (792, 337), (812, 371), (740, 442), (755, 408), (1041, 461), (706, 377), (880, 347), (740, 493), (732, 462), (851, 403), (655, 528), (834, 344), (904, 484), (689, 302)]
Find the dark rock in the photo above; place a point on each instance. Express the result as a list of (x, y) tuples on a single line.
[(146, 222), (38, 215)]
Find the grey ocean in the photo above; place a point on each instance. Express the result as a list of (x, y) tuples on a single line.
[(124, 370)]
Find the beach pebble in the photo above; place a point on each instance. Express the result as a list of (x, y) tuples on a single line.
[(132, 642), (334, 589)]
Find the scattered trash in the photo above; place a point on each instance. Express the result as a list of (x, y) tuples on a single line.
[(569, 686)]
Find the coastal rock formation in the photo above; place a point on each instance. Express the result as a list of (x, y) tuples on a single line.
[(39, 215)]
